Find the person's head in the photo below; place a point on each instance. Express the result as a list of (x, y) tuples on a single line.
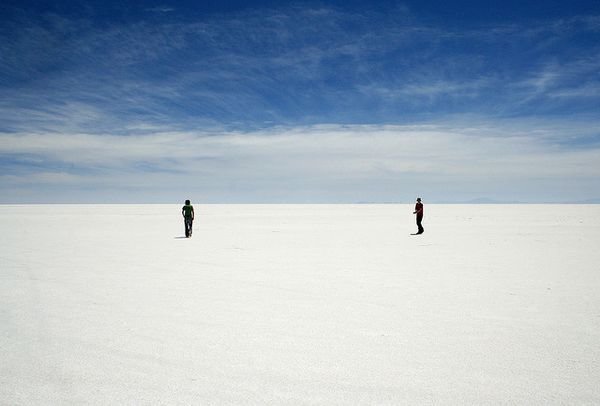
[(418, 199), (187, 202)]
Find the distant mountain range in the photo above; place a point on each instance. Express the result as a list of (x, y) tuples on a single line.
[(590, 201), (485, 200)]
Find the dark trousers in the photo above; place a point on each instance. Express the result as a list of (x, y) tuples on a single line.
[(188, 222), (419, 220)]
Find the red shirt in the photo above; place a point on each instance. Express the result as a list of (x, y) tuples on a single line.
[(419, 208)]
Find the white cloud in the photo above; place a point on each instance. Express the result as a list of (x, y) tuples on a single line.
[(315, 161), (45, 178)]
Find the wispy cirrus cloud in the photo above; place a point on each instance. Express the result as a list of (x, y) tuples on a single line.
[(569, 76), (293, 66)]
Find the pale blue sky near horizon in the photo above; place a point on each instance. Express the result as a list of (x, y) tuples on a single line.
[(299, 101)]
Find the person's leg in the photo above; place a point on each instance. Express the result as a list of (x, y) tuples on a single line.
[(419, 220)]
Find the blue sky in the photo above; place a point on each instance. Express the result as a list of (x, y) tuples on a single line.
[(274, 101)]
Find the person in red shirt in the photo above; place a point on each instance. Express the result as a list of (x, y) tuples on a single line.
[(419, 212)]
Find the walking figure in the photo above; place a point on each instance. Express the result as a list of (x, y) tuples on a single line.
[(419, 212), (188, 218)]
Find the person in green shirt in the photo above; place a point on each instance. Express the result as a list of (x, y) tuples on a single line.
[(188, 218)]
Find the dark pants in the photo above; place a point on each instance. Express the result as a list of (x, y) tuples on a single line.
[(419, 220), (188, 221)]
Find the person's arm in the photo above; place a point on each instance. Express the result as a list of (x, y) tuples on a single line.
[(183, 211), (192, 212)]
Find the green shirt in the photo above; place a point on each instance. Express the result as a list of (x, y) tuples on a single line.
[(188, 210)]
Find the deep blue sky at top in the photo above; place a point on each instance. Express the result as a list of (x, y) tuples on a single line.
[(460, 12), (106, 66)]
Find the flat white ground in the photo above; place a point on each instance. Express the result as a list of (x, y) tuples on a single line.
[(300, 304)]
